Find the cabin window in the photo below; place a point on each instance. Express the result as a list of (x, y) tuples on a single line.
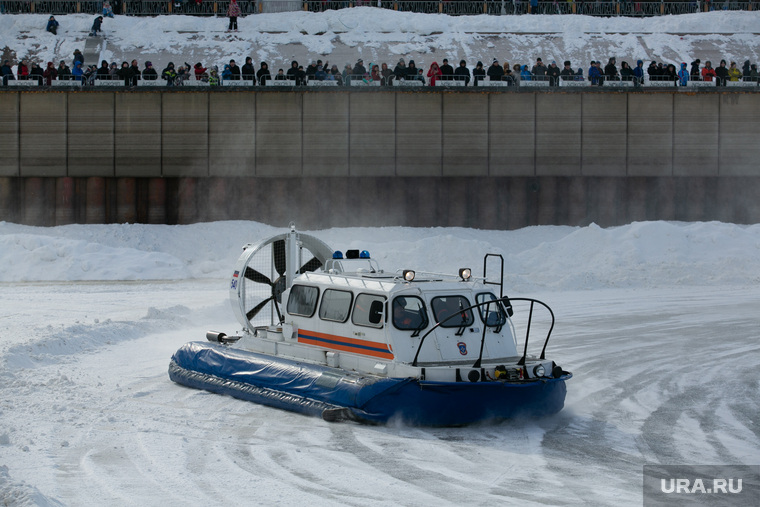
[(335, 305), (409, 313), (446, 306), (491, 314), (303, 300), (369, 310)]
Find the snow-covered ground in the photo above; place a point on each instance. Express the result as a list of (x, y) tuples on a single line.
[(658, 322), (384, 36)]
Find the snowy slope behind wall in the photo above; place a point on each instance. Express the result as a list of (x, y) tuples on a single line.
[(644, 254)]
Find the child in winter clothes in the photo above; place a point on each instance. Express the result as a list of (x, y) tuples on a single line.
[(683, 75), (233, 12), (96, 26), (52, 25), (213, 78)]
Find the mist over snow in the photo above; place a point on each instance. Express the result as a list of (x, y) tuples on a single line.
[(643, 254)]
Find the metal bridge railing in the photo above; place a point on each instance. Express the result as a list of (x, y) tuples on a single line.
[(608, 8)]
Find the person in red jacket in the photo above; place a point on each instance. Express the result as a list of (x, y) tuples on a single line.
[(434, 73), (708, 73), (50, 73), (200, 72), (23, 70)]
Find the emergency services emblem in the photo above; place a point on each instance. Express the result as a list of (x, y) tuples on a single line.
[(462, 348)]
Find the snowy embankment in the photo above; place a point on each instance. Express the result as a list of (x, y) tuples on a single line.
[(644, 254), (383, 35)]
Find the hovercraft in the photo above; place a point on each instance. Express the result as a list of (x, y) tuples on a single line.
[(335, 336)]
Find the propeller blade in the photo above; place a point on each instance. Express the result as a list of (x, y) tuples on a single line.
[(278, 251), (277, 308), (256, 309), (312, 265), (254, 275)]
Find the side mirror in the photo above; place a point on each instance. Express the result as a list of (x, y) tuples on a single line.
[(376, 312)]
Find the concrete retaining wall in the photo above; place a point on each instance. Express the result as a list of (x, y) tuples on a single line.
[(332, 158)]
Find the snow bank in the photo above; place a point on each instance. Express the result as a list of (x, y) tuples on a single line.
[(643, 254)]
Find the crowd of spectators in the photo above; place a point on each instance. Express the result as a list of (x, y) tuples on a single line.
[(380, 74)]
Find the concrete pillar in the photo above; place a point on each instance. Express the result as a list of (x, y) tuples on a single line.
[(156, 201), (126, 200), (216, 205), (64, 201), (8, 199), (95, 201), (187, 211), (34, 201)]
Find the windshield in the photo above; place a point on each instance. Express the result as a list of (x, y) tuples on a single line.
[(446, 306), (492, 314)]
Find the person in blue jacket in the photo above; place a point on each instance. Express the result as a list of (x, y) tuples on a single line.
[(525, 74), (638, 73), (77, 71), (52, 25), (683, 75), (595, 74)]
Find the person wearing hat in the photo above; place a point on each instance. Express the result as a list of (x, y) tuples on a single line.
[(447, 71), (96, 26), (359, 69), (626, 72), (553, 72), (462, 73), (695, 71), (413, 73), (77, 72), (610, 70), (49, 74), (434, 73), (78, 57), (399, 72), (495, 72), (539, 70), (567, 73), (135, 69), (683, 75), (233, 12), (708, 73), (638, 73), (595, 73), (721, 74), (103, 71), (149, 73), (478, 74), (64, 73), (734, 74), (52, 26), (292, 71)]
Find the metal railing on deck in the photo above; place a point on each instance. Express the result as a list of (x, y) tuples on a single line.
[(609, 8)]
